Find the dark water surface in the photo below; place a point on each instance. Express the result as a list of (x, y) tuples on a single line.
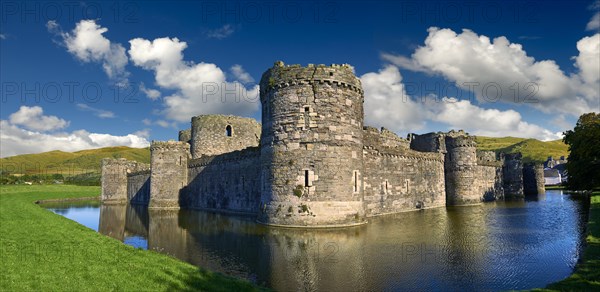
[(494, 246)]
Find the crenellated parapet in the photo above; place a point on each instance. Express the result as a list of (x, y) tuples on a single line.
[(281, 76), (383, 138)]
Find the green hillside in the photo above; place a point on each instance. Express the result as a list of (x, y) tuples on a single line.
[(532, 149), (70, 162)]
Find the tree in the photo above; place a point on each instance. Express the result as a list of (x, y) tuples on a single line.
[(583, 164)]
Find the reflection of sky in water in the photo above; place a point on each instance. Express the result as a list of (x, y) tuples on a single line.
[(86, 216), (136, 241)]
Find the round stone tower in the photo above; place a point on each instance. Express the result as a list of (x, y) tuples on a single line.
[(311, 146), (460, 164)]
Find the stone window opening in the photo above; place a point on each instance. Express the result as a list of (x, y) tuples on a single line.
[(228, 131), (306, 179), (355, 179), (306, 117), (180, 160), (386, 186)]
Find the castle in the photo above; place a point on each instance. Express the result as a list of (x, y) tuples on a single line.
[(312, 162)]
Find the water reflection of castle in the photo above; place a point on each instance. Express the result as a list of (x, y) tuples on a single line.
[(457, 247)]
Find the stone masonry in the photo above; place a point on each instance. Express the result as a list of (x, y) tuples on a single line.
[(312, 162)]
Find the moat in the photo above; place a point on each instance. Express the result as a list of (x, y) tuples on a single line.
[(493, 246)]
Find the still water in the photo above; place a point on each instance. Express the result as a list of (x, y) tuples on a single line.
[(494, 246)]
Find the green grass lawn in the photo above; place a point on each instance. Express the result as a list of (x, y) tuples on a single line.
[(587, 273), (42, 251)]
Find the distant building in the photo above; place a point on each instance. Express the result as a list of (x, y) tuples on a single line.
[(552, 177)]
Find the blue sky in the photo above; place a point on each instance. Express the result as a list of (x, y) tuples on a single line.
[(72, 72)]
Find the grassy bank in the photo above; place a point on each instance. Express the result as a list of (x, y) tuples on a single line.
[(40, 250), (587, 273)]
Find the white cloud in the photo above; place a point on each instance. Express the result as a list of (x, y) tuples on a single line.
[(33, 118), (221, 33), (200, 88), (387, 104), (462, 114), (87, 43), (467, 57), (2, 36), (162, 123), (166, 124), (98, 112), (17, 140), (594, 23), (588, 63), (152, 94), (240, 74)]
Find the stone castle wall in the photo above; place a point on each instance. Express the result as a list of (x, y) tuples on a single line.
[(114, 178), (228, 182), (218, 134), (399, 179), (311, 146), (138, 187)]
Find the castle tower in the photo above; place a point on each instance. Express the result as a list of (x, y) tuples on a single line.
[(533, 179), (114, 179), (169, 161), (460, 167), (218, 134), (311, 146), (512, 171)]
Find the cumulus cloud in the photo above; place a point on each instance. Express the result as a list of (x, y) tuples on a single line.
[(240, 74), (97, 112), (594, 23), (462, 114), (221, 32), (200, 88), (87, 43), (387, 104), (23, 134), (498, 70), (152, 94), (33, 118)]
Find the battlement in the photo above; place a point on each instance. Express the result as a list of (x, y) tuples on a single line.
[(383, 138), (455, 141), (169, 146), (405, 153), (281, 76)]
